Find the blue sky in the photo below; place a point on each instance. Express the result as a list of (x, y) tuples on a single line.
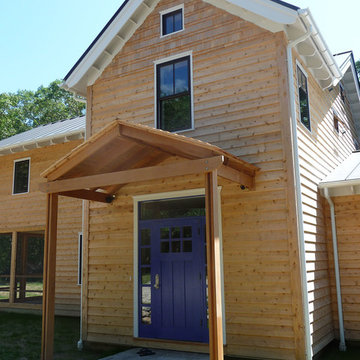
[(40, 40)]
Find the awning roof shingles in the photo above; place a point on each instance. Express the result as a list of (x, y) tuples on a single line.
[(122, 146)]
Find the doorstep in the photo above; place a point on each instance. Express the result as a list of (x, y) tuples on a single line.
[(156, 354)]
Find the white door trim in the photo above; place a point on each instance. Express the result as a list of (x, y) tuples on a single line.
[(161, 196)]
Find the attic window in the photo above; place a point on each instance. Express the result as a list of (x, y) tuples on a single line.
[(172, 20)]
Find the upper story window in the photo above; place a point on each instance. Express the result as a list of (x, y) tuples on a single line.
[(21, 176), (173, 94), (303, 98), (172, 20), (342, 93)]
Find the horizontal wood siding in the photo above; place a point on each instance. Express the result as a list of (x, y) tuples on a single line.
[(347, 210), (320, 151), (27, 212), (237, 107)]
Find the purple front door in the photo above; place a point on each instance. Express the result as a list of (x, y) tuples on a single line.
[(172, 279)]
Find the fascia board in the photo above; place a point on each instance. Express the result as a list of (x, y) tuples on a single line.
[(104, 41)]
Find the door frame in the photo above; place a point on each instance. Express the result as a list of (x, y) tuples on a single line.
[(161, 196)]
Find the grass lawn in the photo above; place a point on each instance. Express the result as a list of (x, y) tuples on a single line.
[(20, 338)]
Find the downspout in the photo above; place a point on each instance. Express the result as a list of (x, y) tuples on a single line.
[(80, 344), (342, 345), (298, 203)]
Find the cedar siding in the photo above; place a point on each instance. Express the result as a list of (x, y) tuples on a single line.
[(347, 210), (240, 105), (320, 151), (27, 213)]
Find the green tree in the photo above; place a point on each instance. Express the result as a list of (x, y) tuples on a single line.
[(358, 67), (25, 109)]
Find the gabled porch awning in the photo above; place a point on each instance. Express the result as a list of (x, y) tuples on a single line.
[(122, 153), (345, 179)]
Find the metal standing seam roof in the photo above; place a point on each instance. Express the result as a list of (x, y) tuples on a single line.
[(69, 127), (346, 173)]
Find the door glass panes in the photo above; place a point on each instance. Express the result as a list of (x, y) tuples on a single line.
[(145, 276), (145, 271), (172, 208), (165, 246), (146, 295), (165, 233), (145, 256), (175, 232), (187, 231), (145, 237), (187, 246), (146, 315), (176, 246)]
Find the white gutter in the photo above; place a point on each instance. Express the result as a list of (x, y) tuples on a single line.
[(342, 345), (298, 202), (320, 45)]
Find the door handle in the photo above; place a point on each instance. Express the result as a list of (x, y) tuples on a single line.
[(157, 282)]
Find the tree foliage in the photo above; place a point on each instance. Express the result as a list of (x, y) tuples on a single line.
[(26, 109), (358, 67)]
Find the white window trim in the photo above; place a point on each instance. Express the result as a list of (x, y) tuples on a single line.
[(80, 253), (161, 196), (298, 97), (13, 179), (171, 58), (167, 11)]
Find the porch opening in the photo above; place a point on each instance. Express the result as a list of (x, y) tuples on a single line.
[(29, 268), (5, 264)]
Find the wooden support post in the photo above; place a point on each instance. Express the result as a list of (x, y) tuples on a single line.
[(24, 248), (48, 319), (216, 344), (12, 295)]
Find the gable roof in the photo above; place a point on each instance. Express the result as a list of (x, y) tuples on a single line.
[(272, 15), (122, 153), (54, 133)]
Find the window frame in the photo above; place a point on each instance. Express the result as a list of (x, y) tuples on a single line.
[(13, 180), (299, 66), (191, 88), (167, 12)]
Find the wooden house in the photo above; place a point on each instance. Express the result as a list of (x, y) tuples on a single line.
[(210, 120), (22, 219)]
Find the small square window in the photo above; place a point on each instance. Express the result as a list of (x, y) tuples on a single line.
[(172, 21), (21, 176)]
